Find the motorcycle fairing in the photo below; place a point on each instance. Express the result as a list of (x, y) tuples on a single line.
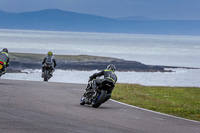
[(1, 65)]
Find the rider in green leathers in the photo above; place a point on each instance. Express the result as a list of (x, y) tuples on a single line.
[(4, 59), (109, 76)]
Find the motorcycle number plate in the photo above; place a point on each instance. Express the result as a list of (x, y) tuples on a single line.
[(1, 66)]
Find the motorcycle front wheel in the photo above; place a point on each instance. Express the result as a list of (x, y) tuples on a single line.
[(82, 101)]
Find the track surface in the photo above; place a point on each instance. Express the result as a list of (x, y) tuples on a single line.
[(38, 107)]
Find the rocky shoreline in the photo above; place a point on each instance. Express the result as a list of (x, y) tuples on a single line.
[(22, 61)]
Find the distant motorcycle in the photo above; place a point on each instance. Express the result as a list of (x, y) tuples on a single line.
[(98, 96), (48, 71), (1, 67)]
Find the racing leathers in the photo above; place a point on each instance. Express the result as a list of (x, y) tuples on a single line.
[(49, 60), (109, 76)]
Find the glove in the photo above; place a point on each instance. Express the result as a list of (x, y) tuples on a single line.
[(90, 79)]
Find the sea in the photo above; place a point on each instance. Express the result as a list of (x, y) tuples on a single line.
[(168, 50)]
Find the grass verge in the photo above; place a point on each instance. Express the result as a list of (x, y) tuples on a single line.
[(40, 57), (178, 101)]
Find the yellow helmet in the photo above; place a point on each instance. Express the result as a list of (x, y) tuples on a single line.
[(49, 53)]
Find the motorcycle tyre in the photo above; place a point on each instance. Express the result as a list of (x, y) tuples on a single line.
[(100, 99), (46, 72), (82, 102)]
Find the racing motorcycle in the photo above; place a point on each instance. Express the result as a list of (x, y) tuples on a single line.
[(48, 70), (1, 67), (96, 97)]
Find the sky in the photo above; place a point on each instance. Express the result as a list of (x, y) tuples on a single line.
[(155, 9)]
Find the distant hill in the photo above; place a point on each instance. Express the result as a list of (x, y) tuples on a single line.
[(58, 20), (134, 18)]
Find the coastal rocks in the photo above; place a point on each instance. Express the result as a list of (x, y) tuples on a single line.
[(21, 61)]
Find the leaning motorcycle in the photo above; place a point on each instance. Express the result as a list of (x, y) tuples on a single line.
[(1, 67), (47, 71), (96, 97)]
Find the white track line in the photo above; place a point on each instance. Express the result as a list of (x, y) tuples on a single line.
[(154, 111)]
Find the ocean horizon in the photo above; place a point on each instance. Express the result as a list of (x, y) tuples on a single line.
[(168, 50)]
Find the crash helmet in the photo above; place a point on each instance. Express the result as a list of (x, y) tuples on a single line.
[(49, 53), (5, 50), (111, 67)]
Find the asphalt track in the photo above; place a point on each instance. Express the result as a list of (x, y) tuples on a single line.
[(38, 107)]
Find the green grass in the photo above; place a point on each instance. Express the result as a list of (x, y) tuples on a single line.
[(40, 57), (20, 56), (178, 101)]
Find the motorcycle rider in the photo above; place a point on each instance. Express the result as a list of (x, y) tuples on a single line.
[(4, 58), (109, 76), (50, 60)]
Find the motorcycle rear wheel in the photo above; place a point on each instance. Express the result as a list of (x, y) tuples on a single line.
[(46, 72), (100, 99)]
